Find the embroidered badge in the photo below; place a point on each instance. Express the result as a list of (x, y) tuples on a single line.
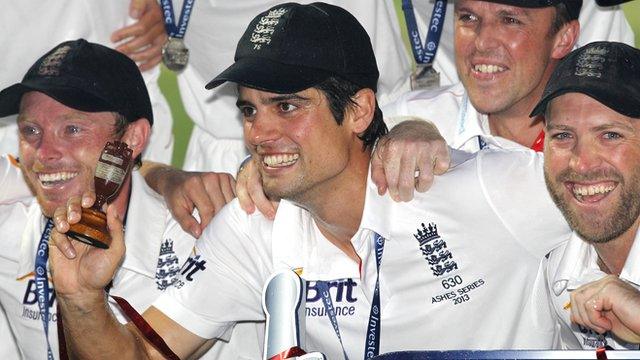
[(50, 66), (168, 265), (434, 249), (265, 28), (591, 62)]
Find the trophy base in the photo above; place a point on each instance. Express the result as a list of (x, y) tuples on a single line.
[(92, 229)]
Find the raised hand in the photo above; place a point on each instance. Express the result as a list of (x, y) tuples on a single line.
[(609, 304), (142, 41), (82, 277), (407, 158), (250, 192)]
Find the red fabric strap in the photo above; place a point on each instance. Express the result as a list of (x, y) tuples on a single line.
[(538, 144), (146, 330), (601, 354), (62, 344), (288, 354)]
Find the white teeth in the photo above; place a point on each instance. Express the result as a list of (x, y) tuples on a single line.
[(488, 68), (61, 176), (591, 190), (280, 160)]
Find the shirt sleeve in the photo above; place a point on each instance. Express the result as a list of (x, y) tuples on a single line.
[(12, 184), (513, 183), (221, 283)]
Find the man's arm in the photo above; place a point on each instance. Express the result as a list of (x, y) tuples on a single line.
[(609, 304), (91, 330), (406, 158), (183, 191)]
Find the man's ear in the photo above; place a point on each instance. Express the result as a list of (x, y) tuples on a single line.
[(137, 135), (566, 39), (361, 115)]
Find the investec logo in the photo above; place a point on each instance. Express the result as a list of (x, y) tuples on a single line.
[(30, 302), (342, 295)]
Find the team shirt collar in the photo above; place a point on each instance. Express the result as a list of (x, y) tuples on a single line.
[(473, 127), (315, 257), (579, 266)]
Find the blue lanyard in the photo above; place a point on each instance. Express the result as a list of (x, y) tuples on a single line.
[(372, 338), (424, 54), (42, 281), (176, 30)]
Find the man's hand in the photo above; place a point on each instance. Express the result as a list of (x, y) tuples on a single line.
[(143, 40), (250, 192), (80, 271), (183, 191), (609, 304), (407, 158)]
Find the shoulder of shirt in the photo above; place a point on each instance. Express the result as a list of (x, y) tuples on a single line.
[(233, 218), (495, 161)]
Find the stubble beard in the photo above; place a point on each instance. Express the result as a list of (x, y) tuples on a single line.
[(603, 227)]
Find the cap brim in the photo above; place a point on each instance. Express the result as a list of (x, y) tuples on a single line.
[(266, 75), (618, 102), (80, 100)]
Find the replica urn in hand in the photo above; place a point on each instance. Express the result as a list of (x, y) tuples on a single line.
[(111, 171)]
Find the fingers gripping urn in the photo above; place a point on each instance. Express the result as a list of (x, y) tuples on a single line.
[(112, 169)]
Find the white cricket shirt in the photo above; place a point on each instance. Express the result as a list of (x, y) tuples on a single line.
[(567, 268), (459, 267), (156, 248)]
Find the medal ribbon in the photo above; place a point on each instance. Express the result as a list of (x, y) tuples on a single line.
[(424, 54), (176, 30), (372, 338), (42, 281)]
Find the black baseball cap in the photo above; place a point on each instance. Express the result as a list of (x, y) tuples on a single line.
[(87, 77), (573, 6), (292, 47), (610, 2), (606, 71)]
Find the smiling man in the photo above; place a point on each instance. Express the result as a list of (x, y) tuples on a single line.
[(505, 51), (71, 102), (592, 111), (428, 274)]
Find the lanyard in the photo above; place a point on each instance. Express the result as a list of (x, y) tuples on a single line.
[(176, 30), (42, 281), (372, 338), (424, 54)]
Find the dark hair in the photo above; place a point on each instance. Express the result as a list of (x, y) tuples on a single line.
[(339, 93), (120, 127), (561, 18)]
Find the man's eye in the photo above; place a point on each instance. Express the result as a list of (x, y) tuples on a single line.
[(511, 20), (465, 18), (610, 135), (287, 107), (247, 111), (561, 136), (29, 131), (72, 129)]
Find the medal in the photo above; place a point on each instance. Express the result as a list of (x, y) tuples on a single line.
[(175, 54), (424, 77)]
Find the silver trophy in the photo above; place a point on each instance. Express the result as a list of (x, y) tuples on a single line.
[(283, 301)]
